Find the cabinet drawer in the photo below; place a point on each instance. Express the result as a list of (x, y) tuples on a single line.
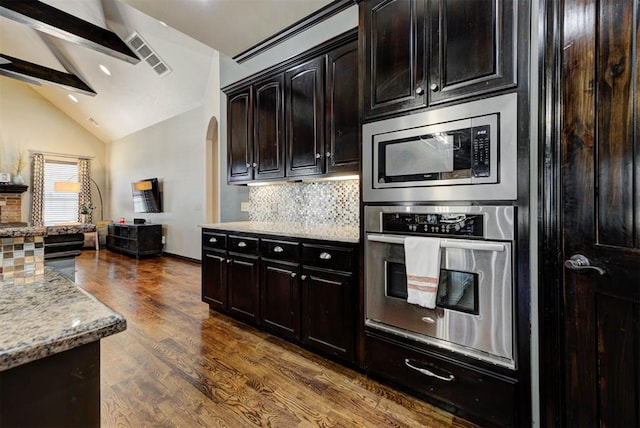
[(477, 395), (282, 250), (328, 257), (214, 240), (242, 244)]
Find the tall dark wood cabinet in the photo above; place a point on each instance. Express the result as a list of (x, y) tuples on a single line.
[(268, 128), (472, 48), (342, 112), (239, 136), (394, 51), (304, 91)]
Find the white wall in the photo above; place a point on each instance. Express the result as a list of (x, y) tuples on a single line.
[(31, 123), (231, 72)]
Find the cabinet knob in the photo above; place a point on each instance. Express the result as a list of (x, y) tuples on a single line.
[(228, 260), (325, 256), (248, 165), (293, 274), (278, 249), (213, 240), (318, 155), (303, 277), (434, 87), (328, 154), (419, 90), (242, 244), (255, 165)]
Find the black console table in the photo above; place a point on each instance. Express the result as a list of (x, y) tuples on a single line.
[(135, 240)]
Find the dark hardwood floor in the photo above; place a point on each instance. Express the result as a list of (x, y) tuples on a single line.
[(180, 365)]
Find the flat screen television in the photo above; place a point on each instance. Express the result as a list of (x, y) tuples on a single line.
[(146, 196)]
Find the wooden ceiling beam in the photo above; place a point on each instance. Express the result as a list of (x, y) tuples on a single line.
[(37, 74), (58, 23)]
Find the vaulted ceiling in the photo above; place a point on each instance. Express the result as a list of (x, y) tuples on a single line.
[(183, 34)]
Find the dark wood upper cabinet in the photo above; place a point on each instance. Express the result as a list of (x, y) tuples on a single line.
[(268, 132), (304, 91), (299, 118), (239, 136), (342, 112), (472, 48), (394, 49), (420, 53)]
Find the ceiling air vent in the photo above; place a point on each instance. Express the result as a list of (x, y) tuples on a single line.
[(144, 51)]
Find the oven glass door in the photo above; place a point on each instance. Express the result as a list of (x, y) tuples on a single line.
[(474, 308)]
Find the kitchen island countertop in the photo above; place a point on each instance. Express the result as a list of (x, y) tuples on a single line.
[(49, 316), (296, 230), (15, 231)]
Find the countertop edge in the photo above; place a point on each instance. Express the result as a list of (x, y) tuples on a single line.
[(263, 228)]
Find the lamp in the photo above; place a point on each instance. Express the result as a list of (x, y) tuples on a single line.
[(74, 187)]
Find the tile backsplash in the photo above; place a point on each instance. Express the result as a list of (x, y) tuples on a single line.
[(327, 202)]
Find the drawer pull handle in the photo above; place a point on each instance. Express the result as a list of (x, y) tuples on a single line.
[(242, 244), (213, 240), (449, 378), (278, 249), (325, 256)]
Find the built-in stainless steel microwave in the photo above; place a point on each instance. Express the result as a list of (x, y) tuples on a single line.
[(462, 152)]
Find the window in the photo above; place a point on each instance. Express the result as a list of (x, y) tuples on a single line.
[(59, 207)]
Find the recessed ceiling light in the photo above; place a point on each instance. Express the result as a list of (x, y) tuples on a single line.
[(105, 70), (72, 98)]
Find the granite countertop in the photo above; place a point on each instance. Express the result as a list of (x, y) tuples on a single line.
[(12, 231), (325, 232), (49, 316)]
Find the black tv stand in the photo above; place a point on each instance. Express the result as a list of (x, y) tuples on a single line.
[(136, 240)]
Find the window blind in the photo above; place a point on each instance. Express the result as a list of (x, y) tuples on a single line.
[(59, 207)]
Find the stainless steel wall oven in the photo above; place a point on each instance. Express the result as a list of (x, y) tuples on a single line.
[(474, 310)]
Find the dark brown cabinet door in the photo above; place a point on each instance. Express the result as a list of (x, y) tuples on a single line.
[(239, 136), (214, 279), (243, 287), (342, 110), (280, 298), (472, 47), (327, 305), (268, 128), (305, 118), (394, 49)]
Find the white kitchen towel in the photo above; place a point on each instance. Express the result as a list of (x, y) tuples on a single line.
[(422, 261)]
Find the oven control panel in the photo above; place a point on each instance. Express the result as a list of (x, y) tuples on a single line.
[(448, 224)]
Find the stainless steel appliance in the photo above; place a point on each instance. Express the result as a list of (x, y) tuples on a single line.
[(474, 310), (462, 152)]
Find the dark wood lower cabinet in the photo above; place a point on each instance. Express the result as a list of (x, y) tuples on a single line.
[(465, 389), (280, 298), (242, 283), (299, 290), (62, 390), (329, 307), (214, 278)]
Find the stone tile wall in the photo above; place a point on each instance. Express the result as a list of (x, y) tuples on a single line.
[(328, 202), (21, 259)]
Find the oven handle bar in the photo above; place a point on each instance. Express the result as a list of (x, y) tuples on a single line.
[(464, 245)]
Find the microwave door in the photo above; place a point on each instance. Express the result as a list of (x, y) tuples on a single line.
[(421, 158)]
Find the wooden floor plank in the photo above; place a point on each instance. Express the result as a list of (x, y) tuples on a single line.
[(180, 365)]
